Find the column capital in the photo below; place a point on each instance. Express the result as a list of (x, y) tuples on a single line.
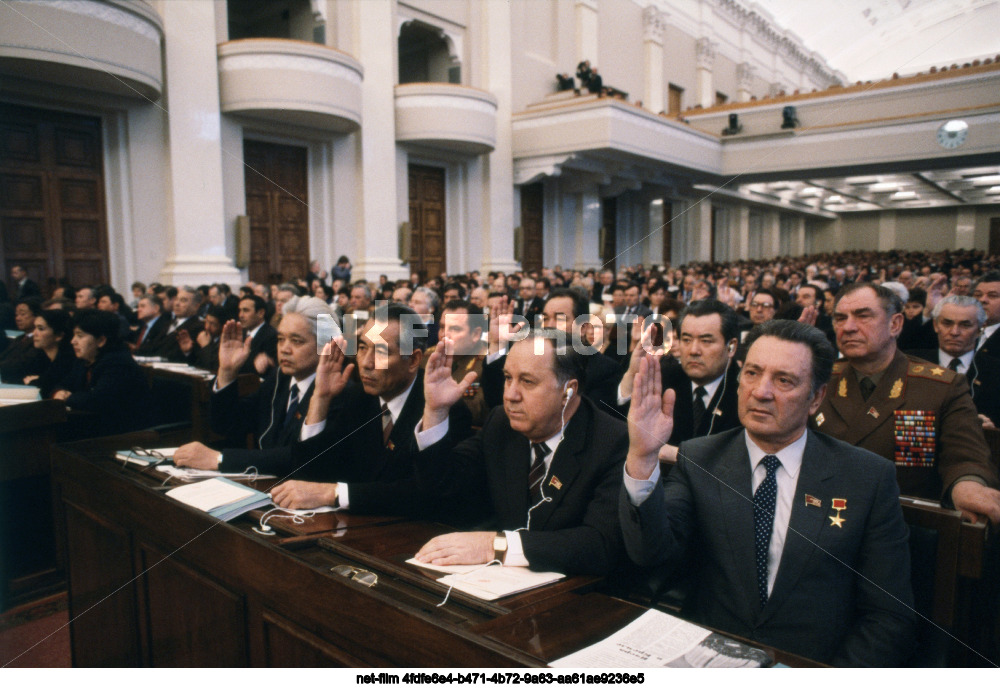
[(744, 75), (654, 24), (705, 53)]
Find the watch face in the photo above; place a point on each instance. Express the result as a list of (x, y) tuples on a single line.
[(952, 134)]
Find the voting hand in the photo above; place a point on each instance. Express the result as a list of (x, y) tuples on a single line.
[(300, 494), (458, 548), (650, 418)]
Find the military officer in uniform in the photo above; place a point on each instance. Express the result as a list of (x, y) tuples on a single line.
[(464, 324), (917, 414)]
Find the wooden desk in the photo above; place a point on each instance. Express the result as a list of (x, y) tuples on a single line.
[(29, 562), (155, 583)]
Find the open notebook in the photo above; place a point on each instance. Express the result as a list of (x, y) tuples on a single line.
[(220, 497)]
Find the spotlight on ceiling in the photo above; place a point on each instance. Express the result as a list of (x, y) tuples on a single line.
[(884, 187), (789, 119), (904, 196), (734, 125)]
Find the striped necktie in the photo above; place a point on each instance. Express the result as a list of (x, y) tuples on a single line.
[(537, 472)]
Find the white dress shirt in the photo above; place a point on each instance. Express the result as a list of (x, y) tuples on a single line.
[(787, 477), (964, 361)]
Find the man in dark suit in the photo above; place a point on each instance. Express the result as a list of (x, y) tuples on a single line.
[(359, 446), (221, 295), (793, 539), (539, 482), (603, 286), (263, 338), (567, 311), (957, 322), (528, 306), (705, 380), (185, 318), (153, 326), (274, 413), (23, 286), (17, 358), (633, 304), (987, 292)]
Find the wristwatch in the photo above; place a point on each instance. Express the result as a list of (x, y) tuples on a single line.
[(500, 546)]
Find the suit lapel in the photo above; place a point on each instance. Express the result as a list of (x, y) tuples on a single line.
[(564, 467), (733, 483), (805, 525)]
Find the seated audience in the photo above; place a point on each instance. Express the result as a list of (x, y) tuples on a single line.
[(55, 358)]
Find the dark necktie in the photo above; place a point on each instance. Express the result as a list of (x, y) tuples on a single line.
[(537, 473), (142, 334), (293, 404), (386, 424), (698, 406), (867, 387), (764, 500), (955, 362)]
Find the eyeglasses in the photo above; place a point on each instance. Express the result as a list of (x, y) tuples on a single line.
[(366, 578), (157, 457), (758, 304)]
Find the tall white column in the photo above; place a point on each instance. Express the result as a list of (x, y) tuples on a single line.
[(654, 24), (585, 15), (700, 227), (376, 238), (498, 221), (799, 241), (741, 217), (771, 229), (195, 208), (744, 81), (705, 60), (587, 210), (965, 228), (887, 230)]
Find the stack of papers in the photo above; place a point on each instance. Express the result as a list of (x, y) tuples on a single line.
[(18, 394), (491, 582), (656, 639), (220, 497)]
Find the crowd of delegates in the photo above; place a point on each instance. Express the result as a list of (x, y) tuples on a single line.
[(490, 421)]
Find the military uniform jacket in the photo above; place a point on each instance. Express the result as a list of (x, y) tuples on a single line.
[(474, 398), (920, 416)]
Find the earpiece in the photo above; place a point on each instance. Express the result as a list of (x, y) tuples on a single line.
[(569, 393), (731, 348)]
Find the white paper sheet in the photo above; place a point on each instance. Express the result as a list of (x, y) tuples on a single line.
[(653, 640), (210, 494)]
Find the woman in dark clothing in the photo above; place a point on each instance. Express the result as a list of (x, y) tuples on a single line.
[(105, 379), (342, 270), (55, 358)]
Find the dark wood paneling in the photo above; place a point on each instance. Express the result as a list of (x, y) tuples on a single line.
[(288, 645), (427, 220), (277, 205), (532, 221), (190, 616), (102, 598)]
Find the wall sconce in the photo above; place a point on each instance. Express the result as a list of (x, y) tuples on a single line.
[(734, 125), (789, 120)]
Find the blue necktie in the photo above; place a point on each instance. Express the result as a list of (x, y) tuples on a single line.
[(293, 404), (764, 500)]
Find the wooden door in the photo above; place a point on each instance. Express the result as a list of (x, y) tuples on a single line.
[(278, 207), (609, 221), (52, 211), (994, 236), (427, 221), (532, 207), (668, 232)]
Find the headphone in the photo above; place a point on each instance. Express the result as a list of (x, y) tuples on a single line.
[(568, 392), (731, 348)]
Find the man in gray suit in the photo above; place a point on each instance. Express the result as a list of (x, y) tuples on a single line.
[(793, 539)]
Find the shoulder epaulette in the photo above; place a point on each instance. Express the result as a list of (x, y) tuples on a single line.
[(839, 367), (930, 371)]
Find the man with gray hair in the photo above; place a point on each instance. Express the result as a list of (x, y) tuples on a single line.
[(957, 323), (274, 413), (916, 414)]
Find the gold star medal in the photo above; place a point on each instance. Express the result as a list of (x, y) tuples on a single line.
[(838, 505)]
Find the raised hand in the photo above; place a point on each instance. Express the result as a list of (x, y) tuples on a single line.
[(809, 315), (332, 375), (204, 339), (233, 352), (650, 418), (184, 340), (441, 391)]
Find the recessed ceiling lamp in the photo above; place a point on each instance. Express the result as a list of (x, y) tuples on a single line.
[(993, 190), (884, 187), (809, 192), (988, 180), (904, 196), (833, 200)]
